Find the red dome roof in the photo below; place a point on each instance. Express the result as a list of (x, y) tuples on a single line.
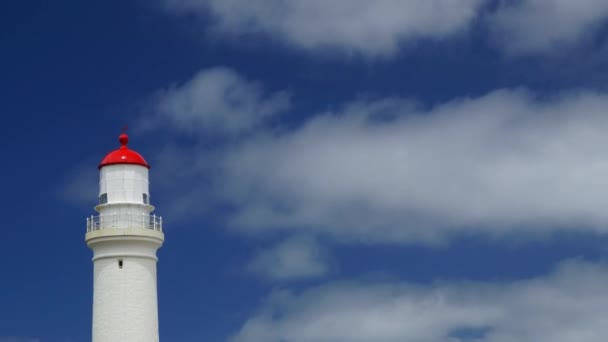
[(123, 155)]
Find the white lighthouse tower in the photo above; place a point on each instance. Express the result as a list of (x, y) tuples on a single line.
[(124, 238)]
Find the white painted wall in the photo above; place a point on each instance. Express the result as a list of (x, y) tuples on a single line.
[(124, 183), (125, 305)]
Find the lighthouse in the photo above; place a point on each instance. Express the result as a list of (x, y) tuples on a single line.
[(124, 237)]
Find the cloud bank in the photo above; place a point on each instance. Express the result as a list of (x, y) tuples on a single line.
[(373, 28), (566, 306), (387, 171), (380, 28), (382, 171)]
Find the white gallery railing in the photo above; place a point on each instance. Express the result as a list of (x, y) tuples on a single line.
[(145, 221)]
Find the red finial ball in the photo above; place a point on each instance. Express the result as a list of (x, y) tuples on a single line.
[(124, 139)]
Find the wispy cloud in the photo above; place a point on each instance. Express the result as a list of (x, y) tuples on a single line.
[(217, 101), (381, 28), (566, 306), (294, 258), (373, 28), (80, 183), (18, 339), (536, 26)]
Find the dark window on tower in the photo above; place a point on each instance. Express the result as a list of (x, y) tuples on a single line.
[(146, 199), (120, 263), (103, 199)]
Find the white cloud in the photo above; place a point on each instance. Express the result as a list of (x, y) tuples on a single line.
[(294, 258), (504, 164), (218, 100), (374, 28), (566, 306), (533, 26), (382, 27), (500, 164)]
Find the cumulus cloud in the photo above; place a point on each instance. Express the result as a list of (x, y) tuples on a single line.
[(566, 306), (294, 258), (374, 28), (533, 26), (502, 164), (218, 100)]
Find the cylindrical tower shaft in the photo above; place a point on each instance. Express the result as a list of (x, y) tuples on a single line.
[(124, 284)]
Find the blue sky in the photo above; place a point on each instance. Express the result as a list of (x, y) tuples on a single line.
[(430, 171)]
